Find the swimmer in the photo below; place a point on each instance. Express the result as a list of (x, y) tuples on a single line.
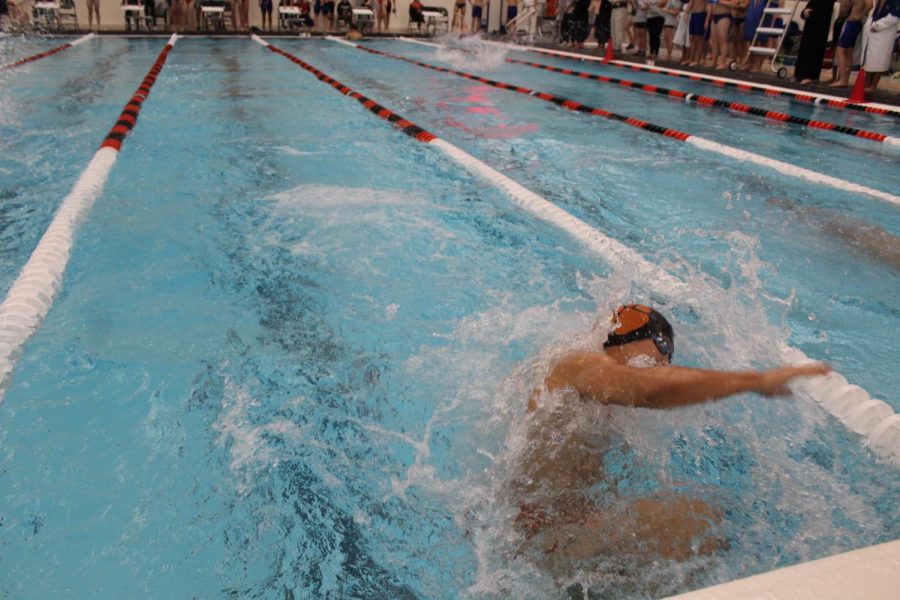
[(645, 335), (556, 515), (871, 240)]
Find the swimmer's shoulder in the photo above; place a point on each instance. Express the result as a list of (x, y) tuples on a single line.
[(567, 369)]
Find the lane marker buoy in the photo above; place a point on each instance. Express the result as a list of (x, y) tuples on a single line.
[(51, 52), (31, 295)]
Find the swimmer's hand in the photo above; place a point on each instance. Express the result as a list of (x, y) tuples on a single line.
[(774, 382)]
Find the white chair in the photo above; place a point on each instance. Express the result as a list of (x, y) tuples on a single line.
[(212, 14), (292, 18), (133, 11), (363, 19), (46, 15), (436, 19)]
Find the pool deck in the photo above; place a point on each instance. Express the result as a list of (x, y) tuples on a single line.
[(872, 573), (888, 91)]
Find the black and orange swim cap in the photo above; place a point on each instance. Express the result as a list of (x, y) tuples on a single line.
[(638, 322)]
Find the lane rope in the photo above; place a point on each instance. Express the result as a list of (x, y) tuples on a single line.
[(850, 403), (702, 143), (710, 101), (830, 101), (31, 295), (28, 59)]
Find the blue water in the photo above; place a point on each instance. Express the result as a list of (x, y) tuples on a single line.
[(292, 351)]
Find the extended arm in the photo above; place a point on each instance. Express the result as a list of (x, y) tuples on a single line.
[(667, 386)]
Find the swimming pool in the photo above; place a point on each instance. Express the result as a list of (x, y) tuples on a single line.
[(292, 349)]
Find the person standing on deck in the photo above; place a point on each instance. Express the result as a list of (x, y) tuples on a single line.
[(879, 40), (618, 20), (390, 6), (849, 36), (477, 8), (93, 7), (580, 12), (602, 22), (817, 20), (697, 30), (718, 24)]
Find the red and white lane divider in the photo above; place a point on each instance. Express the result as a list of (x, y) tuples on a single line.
[(718, 103), (31, 295), (702, 143), (618, 255), (857, 410), (51, 52), (769, 90)]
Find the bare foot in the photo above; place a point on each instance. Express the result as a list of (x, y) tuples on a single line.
[(839, 84)]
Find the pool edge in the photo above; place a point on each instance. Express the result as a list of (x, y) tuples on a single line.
[(872, 573)]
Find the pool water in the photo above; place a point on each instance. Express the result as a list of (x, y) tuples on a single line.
[(293, 348)]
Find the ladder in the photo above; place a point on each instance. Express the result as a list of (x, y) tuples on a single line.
[(772, 11), (512, 26)]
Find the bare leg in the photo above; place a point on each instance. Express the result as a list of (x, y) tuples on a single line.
[(673, 527), (721, 33), (845, 57), (668, 36), (872, 80), (94, 9), (696, 50), (713, 44)]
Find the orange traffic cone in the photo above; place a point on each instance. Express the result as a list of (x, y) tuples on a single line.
[(858, 95), (610, 51)]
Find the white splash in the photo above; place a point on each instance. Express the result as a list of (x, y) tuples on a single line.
[(247, 445), (293, 151), (472, 53)]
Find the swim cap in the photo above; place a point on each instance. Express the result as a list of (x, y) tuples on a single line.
[(639, 322)]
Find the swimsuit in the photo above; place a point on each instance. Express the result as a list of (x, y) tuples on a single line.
[(476, 11), (697, 24), (717, 18), (851, 31)]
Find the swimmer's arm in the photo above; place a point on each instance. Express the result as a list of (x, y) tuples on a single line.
[(673, 387)]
